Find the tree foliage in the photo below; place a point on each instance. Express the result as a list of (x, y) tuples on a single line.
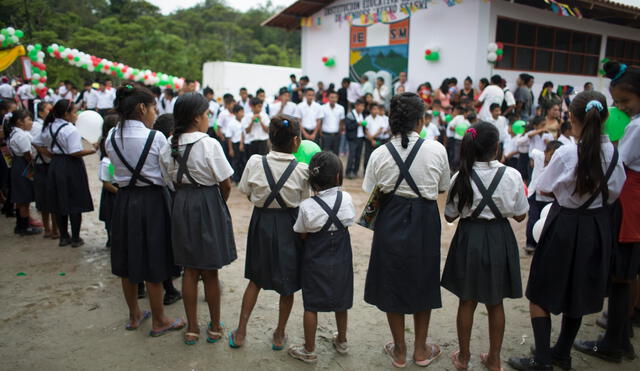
[(134, 32)]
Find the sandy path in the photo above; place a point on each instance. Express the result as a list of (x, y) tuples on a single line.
[(75, 321)]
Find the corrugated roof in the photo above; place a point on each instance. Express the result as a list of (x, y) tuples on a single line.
[(289, 18)]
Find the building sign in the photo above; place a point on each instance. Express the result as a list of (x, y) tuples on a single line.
[(383, 10)]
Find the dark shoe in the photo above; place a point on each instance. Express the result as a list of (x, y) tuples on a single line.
[(602, 322), (635, 319), (529, 249), (592, 348), (527, 364), (29, 231), (77, 243), (171, 297), (141, 292), (563, 363), (64, 242)]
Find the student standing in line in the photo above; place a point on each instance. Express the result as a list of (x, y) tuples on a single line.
[(355, 137), (310, 115), (404, 268), (332, 124), (41, 169), (256, 128)]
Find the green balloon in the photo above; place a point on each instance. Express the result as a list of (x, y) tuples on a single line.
[(461, 129), (330, 63), (19, 33), (99, 66), (616, 123), (215, 125), (519, 127), (436, 113), (448, 118), (50, 49), (499, 52), (112, 171), (364, 124), (306, 151), (423, 133)]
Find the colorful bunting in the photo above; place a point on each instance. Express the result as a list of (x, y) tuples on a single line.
[(563, 9)]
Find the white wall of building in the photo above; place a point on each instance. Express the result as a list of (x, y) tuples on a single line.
[(229, 77)]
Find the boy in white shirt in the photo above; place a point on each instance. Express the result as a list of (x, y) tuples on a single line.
[(214, 107), (374, 129), (256, 127), (431, 127), (332, 124), (310, 115), (355, 137), (283, 105), (500, 122), (235, 143)]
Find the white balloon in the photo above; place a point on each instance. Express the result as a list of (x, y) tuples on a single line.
[(15, 38), (40, 85), (537, 229), (90, 68), (545, 212), (1, 38), (89, 125), (11, 30), (36, 76), (492, 47), (492, 57), (30, 47)]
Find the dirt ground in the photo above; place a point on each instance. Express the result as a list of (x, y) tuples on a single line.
[(51, 321)]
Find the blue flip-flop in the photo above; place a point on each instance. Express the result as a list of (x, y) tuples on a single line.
[(232, 343), (145, 315), (279, 347), (178, 324), (214, 333)]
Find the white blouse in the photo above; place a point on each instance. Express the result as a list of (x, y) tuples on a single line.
[(68, 138), (509, 197), (559, 176), (20, 142), (312, 217), (629, 145), (207, 162)]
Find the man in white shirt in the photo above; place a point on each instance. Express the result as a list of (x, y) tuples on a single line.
[(310, 114), (283, 105), (381, 92), (402, 81), (367, 86), (104, 99), (332, 124), (490, 95), (6, 90), (25, 93), (354, 91), (509, 103)]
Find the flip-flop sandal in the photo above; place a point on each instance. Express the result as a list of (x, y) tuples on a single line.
[(145, 315), (278, 347), (388, 350), (192, 341), (456, 361), (232, 342), (483, 359), (214, 336), (435, 353), (298, 352), (178, 324)]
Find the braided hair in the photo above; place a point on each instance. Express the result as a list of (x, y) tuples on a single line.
[(187, 109), (407, 109)]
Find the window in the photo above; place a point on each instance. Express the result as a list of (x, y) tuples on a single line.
[(538, 48), (623, 51)]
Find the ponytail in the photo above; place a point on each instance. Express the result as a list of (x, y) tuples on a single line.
[(59, 110), (11, 120), (480, 143), (589, 108)]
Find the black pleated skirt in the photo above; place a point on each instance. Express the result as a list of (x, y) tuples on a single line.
[(326, 272), (107, 200), (68, 186), (404, 267), (273, 250), (21, 187), (201, 229), (40, 187), (141, 234), (483, 263), (570, 268)]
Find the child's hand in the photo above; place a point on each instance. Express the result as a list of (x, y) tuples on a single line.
[(241, 147), (231, 153)]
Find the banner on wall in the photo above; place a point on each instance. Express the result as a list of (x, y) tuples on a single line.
[(379, 50)]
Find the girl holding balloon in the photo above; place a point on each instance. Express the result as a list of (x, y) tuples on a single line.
[(615, 344)]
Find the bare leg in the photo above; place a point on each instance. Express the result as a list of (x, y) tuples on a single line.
[(212, 293), (421, 328), (310, 327), (248, 302), (464, 322), (496, 334), (46, 223), (286, 303), (396, 325), (130, 291), (54, 225), (190, 298), (155, 292), (341, 323)]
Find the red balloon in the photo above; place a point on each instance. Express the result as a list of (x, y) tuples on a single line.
[(500, 45), (43, 79), (428, 52), (324, 59), (114, 73), (70, 57), (57, 54)]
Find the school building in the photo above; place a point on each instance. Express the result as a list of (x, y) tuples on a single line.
[(560, 41)]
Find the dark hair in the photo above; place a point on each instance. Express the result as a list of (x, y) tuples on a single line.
[(207, 90), (128, 97), (87, 83), (16, 116), (496, 79), (566, 126), (494, 106), (332, 93), (444, 87), (325, 171), (481, 148), (472, 116), (292, 75), (170, 91), (589, 172), (525, 77), (346, 79), (309, 90), (484, 81), (453, 80), (187, 108), (242, 89), (553, 145), (227, 98), (255, 101), (282, 129), (259, 91), (165, 124), (42, 106), (588, 83), (156, 90), (628, 80), (110, 122), (406, 110), (305, 78), (360, 101), (189, 81), (282, 91), (468, 79), (61, 108), (537, 120), (237, 108)]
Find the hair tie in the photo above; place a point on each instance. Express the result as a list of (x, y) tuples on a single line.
[(315, 171), (623, 69), (285, 123), (473, 132), (129, 86), (592, 104)]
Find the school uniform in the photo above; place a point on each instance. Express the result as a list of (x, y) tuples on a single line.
[(511, 146), (566, 139), (275, 184), (456, 140), (22, 191), (309, 115), (404, 267), (201, 229), (107, 199), (41, 168), (67, 183), (539, 142), (276, 108), (326, 271), (256, 136), (238, 161), (483, 263), (537, 201), (501, 123), (104, 101), (355, 140), (331, 119), (570, 267), (433, 132), (376, 128), (141, 230), (522, 141)]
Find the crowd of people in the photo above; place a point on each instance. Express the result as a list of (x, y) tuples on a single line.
[(169, 160)]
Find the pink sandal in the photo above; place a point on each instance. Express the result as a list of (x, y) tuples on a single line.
[(435, 353), (456, 361), (388, 350), (483, 359)]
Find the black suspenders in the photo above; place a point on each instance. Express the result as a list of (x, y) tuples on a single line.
[(603, 189), (332, 213), (135, 173), (487, 200), (183, 170), (276, 187), (404, 166), (54, 137)]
